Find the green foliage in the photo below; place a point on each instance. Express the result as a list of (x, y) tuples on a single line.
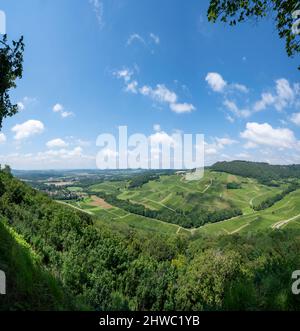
[(188, 219), (237, 11), (263, 172), (104, 269), (11, 68), (29, 285), (139, 181), (272, 200), (233, 186)]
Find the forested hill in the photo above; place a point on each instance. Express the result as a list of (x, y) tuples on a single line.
[(69, 263), (264, 172)]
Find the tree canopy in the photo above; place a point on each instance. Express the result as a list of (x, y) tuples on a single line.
[(11, 68), (283, 12)]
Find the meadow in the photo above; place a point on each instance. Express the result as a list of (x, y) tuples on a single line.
[(213, 192)]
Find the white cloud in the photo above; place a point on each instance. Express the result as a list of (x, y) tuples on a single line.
[(123, 74), (217, 145), (266, 100), (66, 114), (98, 8), (147, 42), (265, 134), (132, 87), (222, 142), (161, 137), (56, 143), (51, 159), (216, 81), (156, 127), (180, 108), (135, 37), (218, 84), (2, 138), (295, 118), (232, 107), (25, 102), (285, 96), (27, 129), (240, 87), (160, 93), (155, 38), (59, 108), (21, 105)]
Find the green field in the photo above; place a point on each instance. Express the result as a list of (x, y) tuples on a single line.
[(285, 213), (173, 192)]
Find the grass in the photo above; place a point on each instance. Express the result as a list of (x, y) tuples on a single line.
[(29, 286), (210, 193), (285, 209)]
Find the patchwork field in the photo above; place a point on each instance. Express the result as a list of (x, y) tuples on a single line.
[(172, 193), (285, 213)]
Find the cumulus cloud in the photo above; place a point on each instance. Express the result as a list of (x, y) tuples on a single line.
[(59, 108), (2, 138), (124, 73), (160, 93), (217, 145), (28, 129), (233, 108), (51, 159), (264, 134), (218, 84), (161, 137), (21, 105), (182, 107), (285, 95), (56, 143), (156, 127), (132, 87), (295, 118), (25, 102), (216, 81)]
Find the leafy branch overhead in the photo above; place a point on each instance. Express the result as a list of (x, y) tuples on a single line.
[(237, 11), (11, 68)]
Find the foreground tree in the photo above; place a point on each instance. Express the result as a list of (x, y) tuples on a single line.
[(284, 13), (11, 68)]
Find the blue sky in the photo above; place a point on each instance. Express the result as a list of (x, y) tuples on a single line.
[(156, 66)]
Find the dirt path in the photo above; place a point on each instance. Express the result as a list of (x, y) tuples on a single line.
[(279, 224), (74, 207), (257, 196), (208, 186), (161, 204)]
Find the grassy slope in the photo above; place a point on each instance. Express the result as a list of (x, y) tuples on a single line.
[(285, 210), (29, 286), (173, 192)]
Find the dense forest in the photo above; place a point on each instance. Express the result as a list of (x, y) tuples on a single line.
[(263, 172), (83, 267)]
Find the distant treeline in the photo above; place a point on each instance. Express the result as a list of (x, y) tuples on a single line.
[(139, 181), (189, 219), (269, 202), (263, 172)]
